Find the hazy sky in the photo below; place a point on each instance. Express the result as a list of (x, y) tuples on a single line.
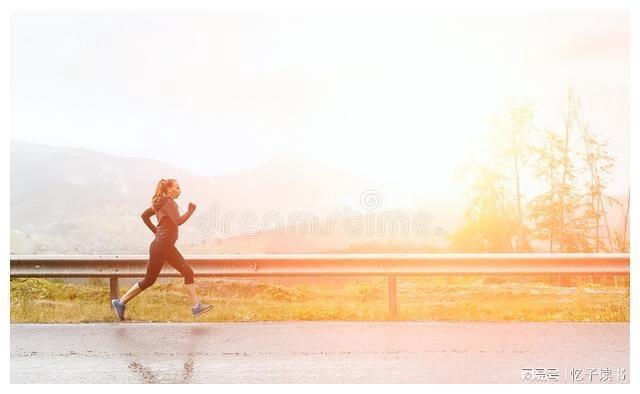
[(400, 96)]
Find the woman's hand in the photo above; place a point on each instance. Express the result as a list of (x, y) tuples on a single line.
[(192, 207)]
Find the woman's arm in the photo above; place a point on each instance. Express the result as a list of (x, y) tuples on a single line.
[(146, 215), (170, 208), (187, 215)]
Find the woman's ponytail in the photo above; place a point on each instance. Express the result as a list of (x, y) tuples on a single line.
[(161, 189)]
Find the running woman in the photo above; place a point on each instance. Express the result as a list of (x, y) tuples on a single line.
[(163, 247)]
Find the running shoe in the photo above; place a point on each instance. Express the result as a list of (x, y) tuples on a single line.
[(199, 309), (118, 307)]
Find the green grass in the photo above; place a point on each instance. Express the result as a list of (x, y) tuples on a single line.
[(420, 298)]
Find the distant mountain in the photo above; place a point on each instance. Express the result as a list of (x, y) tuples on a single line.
[(331, 237), (77, 201), (52, 185), (68, 200)]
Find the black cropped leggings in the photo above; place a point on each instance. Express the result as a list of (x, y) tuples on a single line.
[(159, 252)]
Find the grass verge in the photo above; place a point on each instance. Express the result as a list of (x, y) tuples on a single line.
[(419, 298)]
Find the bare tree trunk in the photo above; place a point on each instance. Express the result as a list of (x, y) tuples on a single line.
[(606, 221), (626, 221), (590, 162), (565, 166), (551, 195), (519, 205)]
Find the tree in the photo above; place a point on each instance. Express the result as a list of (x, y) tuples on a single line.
[(490, 225), (511, 145), (544, 209), (556, 212), (621, 240), (599, 165), (573, 167)]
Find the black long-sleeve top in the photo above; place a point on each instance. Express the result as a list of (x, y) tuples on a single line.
[(166, 211)]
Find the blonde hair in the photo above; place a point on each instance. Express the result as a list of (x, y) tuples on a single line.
[(161, 189)]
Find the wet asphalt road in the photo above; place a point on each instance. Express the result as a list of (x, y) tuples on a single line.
[(314, 352)]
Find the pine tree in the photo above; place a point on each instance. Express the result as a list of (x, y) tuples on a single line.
[(511, 150), (621, 238), (556, 213), (490, 225), (544, 209), (599, 165)]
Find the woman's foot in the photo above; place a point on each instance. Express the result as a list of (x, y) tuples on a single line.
[(199, 309), (118, 307)]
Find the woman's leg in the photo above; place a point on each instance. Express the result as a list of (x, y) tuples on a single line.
[(157, 256), (175, 258), (191, 292), (131, 293)]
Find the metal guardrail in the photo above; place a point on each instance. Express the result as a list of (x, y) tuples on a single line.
[(390, 265)]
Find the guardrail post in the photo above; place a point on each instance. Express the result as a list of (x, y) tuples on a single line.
[(114, 289), (393, 296)]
